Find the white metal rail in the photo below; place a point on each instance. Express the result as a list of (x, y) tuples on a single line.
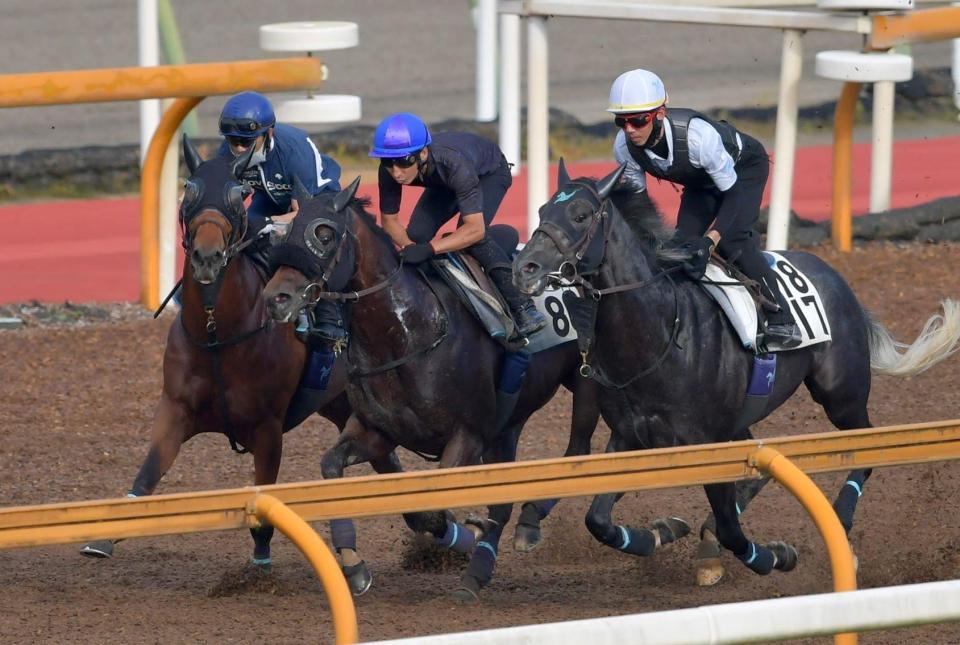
[(759, 621)]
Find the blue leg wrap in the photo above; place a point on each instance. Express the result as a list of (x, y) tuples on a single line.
[(636, 542), (544, 506), (457, 538), (261, 562)]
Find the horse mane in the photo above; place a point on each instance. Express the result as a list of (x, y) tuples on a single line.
[(645, 220), (359, 206)]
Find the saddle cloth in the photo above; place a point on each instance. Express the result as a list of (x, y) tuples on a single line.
[(741, 309), (463, 274)]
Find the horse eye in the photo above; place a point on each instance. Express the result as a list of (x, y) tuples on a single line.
[(325, 238), (580, 217)]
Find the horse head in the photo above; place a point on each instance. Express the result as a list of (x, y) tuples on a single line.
[(315, 256), (212, 213), (570, 240)]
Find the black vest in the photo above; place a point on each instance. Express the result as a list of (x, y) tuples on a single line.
[(681, 171)]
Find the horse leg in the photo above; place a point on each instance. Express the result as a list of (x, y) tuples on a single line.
[(846, 411), (761, 559), (479, 571), (586, 414), (267, 452), (168, 433), (709, 567), (625, 538), (356, 445)]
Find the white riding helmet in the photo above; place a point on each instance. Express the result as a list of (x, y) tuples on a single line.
[(636, 91)]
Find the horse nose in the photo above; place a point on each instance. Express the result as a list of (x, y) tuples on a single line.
[(207, 258), (279, 306), (281, 299), (530, 267)]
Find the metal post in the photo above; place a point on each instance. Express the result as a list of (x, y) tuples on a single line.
[(510, 89), (956, 69), (486, 60), (167, 235), (841, 223), (538, 119), (881, 158), (148, 39), (785, 143)]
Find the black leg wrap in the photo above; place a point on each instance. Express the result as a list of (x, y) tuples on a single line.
[(671, 529), (343, 534), (261, 541), (758, 559), (482, 563), (846, 504), (635, 541)]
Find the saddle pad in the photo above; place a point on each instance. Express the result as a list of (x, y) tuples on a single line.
[(498, 322), (741, 310)]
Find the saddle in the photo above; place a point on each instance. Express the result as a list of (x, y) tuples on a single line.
[(744, 305)]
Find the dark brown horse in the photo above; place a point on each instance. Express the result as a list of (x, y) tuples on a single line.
[(424, 373), (227, 366)]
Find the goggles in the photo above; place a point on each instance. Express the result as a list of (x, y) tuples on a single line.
[(401, 162), (637, 121), (240, 142), (231, 124)]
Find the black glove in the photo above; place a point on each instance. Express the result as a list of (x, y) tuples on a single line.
[(417, 253), (700, 251)]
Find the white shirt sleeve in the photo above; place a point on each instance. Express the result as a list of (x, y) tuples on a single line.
[(707, 152), (634, 175)]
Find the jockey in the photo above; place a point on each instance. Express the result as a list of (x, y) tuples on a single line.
[(723, 173), (282, 153), (462, 173)]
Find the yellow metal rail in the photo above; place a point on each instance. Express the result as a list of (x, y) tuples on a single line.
[(476, 485), (841, 223), (164, 81), (276, 513), (928, 25)]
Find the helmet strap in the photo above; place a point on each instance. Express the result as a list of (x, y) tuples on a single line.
[(656, 133)]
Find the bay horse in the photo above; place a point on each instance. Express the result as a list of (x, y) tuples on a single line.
[(423, 373), (674, 372), (227, 366)]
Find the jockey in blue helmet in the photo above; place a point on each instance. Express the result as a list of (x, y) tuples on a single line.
[(282, 153), (461, 173)]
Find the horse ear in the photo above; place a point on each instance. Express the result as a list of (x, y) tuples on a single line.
[(605, 185), (300, 192), (190, 155), (240, 163), (562, 177), (343, 198)]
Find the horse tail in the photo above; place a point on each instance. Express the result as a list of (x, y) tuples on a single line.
[(936, 341)]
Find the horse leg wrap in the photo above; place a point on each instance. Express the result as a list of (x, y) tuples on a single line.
[(758, 559), (261, 545), (343, 534), (846, 503), (457, 538), (533, 512), (482, 562), (635, 541)]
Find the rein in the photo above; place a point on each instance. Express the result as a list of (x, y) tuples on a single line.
[(355, 296), (210, 294), (571, 273)]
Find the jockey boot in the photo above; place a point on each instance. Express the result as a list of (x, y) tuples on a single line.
[(781, 331), (496, 265), (326, 331)]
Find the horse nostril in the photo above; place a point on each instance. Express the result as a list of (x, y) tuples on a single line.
[(281, 298), (195, 256), (530, 267)]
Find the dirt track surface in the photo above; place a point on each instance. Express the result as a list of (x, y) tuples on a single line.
[(75, 404)]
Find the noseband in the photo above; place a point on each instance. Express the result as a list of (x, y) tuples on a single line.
[(573, 253)]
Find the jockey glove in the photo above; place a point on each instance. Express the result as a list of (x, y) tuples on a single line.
[(700, 250), (417, 253)]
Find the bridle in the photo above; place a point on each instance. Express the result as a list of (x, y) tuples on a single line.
[(583, 258), (316, 291)]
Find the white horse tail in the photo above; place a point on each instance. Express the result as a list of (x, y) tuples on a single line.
[(936, 341)]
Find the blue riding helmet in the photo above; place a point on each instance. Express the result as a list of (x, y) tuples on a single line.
[(246, 115), (399, 135)]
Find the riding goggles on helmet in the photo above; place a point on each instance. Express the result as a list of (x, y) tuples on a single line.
[(637, 121), (401, 162), (240, 127)]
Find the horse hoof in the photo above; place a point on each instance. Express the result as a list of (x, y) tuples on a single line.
[(263, 565), (358, 578), (787, 555), (469, 590), (709, 572), (478, 525), (526, 538), (670, 529), (99, 549)]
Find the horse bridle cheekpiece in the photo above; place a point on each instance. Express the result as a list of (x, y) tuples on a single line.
[(581, 256)]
